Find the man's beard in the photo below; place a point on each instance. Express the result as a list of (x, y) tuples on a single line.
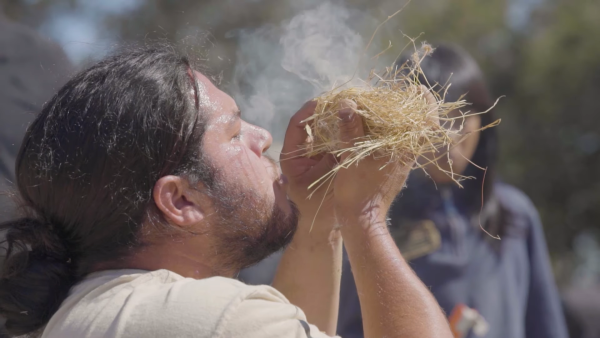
[(249, 228)]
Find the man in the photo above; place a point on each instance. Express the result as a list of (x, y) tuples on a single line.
[(148, 193)]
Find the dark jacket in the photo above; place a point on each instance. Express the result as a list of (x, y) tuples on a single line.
[(509, 282)]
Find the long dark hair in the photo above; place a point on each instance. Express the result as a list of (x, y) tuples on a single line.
[(86, 170), (450, 63)]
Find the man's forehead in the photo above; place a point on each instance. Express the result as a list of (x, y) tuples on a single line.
[(203, 79), (211, 97)]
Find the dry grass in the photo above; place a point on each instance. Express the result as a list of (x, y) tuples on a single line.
[(400, 119)]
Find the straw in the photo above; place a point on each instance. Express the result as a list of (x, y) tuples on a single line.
[(400, 120)]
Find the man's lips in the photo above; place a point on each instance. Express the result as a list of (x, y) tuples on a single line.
[(280, 178), (283, 180)]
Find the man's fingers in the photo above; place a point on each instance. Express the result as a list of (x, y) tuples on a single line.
[(296, 134), (350, 125), (321, 168)]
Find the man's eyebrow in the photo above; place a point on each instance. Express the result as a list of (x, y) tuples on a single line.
[(233, 119)]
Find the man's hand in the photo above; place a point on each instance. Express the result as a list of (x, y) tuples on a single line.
[(368, 187), (302, 171), (394, 302)]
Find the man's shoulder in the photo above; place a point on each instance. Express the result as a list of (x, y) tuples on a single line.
[(153, 304), (203, 296), (214, 288), (158, 281)]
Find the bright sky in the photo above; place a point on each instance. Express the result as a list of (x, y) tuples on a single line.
[(79, 30)]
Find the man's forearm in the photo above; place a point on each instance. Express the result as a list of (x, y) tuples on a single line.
[(393, 300), (310, 271)]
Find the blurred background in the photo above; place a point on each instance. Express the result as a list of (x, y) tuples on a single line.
[(543, 56)]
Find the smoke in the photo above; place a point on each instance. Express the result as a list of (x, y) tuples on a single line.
[(281, 66), (320, 48)]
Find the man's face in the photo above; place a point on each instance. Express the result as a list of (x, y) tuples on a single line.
[(253, 216)]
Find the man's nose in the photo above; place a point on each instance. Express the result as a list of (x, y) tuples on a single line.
[(262, 140), (268, 140)]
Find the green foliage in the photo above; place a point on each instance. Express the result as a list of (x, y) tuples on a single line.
[(553, 148)]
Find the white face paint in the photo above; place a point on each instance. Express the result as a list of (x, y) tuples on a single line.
[(204, 100), (220, 120)]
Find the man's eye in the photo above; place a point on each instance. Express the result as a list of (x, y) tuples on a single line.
[(237, 136)]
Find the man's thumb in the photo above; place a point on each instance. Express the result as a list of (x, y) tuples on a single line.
[(350, 124)]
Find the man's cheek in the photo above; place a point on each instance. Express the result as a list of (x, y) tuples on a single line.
[(243, 168)]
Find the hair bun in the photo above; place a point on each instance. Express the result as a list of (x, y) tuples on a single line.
[(38, 235), (36, 276)]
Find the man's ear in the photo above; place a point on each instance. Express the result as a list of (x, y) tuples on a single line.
[(174, 198)]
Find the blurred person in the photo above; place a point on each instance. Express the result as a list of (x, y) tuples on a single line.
[(31, 69), (146, 193), (489, 288)]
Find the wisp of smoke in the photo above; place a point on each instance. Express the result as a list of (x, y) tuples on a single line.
[(279, 67)]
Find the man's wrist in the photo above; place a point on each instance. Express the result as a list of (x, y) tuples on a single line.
[(314, 232), (357, 223), (367, 213)]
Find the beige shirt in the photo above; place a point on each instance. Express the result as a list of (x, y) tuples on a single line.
[(136, 303)]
